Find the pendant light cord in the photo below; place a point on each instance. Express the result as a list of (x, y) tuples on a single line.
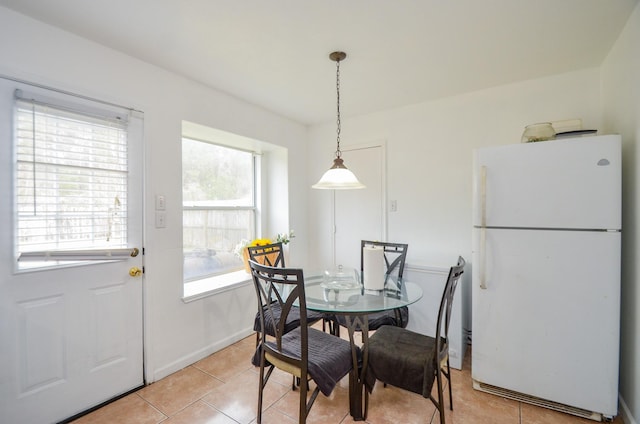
[(338, 177), (338, 152)]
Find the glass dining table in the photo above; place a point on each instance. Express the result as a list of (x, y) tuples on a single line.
[(344, 294)]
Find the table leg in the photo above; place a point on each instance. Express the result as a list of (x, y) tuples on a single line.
[(358, 394)]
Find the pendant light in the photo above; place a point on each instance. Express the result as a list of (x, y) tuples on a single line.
[(338, 177)]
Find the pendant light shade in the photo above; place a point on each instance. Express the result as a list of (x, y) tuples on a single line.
[(338, 177)]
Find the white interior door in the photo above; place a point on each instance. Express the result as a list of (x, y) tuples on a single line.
[(71, 331), (360, 214)]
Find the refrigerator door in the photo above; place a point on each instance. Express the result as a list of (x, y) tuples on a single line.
[(572, 183), (547, 322)]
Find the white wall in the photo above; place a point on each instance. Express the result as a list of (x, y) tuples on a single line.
[(177, 333), (621, 105)]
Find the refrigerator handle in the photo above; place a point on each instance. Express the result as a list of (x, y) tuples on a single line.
[(483, 196), (483, 258), (483, 228)]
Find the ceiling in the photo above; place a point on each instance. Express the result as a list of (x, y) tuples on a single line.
[(275, 53)]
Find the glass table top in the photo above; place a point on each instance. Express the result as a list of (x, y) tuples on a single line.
[(347, 295)]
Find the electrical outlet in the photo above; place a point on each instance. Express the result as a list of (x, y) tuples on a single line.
[(394, 206), (161, 219)]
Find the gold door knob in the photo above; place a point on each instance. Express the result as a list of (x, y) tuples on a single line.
[(135, 271)]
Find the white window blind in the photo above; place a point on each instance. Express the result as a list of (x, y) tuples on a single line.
[(70, 178)]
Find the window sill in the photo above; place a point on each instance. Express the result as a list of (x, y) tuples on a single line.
[(206, 287)]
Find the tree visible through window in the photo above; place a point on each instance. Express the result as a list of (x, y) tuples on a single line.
[(219, 210)]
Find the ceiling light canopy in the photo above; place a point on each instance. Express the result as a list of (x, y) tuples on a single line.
[(338, 177)]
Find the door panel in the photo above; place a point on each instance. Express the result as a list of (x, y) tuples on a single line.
[(70, 336), (108, 335), (360, 214), (40, 345)]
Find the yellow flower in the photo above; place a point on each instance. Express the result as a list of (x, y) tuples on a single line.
[(260, 242)]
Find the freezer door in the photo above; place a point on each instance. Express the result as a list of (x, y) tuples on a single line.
[(573, 183), (547, 322)]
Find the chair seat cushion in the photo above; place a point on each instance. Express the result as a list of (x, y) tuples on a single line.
[(293, 319), (378, 319), (329, 356), (402, 358)]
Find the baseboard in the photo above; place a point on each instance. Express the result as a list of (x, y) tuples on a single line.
[(627, 417), (197, 355)]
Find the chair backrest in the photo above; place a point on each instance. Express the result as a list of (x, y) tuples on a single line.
[(281, 290), (395, 255), (446, 304), (268, 254)]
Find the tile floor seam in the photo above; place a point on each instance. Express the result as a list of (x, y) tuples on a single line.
[(166, 417), (212, 375), (190, 403), (222, 412), (273, 405), (182, 409), (283, 412), (433, 416), (519, 412)]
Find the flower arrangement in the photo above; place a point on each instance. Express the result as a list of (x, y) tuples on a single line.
[(284, 238), (241, 248)]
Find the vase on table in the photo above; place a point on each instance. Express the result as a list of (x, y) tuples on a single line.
[(245, 259), (261, 260)]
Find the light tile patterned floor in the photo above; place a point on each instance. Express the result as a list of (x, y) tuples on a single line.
[(222, 389)]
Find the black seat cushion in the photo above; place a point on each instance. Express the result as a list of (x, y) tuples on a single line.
[(378, 319), (329, 356), (402, 358), (293, 319)]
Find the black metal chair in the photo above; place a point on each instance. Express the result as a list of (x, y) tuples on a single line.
[(268, 254), (395, 255), (304, 352), (273, 255), (413, 361)]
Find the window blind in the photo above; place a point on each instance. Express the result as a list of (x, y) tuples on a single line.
[(70, 178)]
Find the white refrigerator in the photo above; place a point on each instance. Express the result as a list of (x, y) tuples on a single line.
[(546, 273)]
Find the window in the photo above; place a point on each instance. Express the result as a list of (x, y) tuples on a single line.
[(70, 180), (219, 207)]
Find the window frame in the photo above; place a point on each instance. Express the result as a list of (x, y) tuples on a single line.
[(205, 285)]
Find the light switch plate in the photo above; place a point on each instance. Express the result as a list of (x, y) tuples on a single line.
[(160, 202)]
